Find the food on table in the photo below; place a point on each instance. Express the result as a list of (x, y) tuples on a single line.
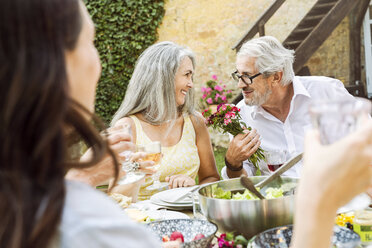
[(136, 214), (345, 218), (122, 200), (177, 236), (198, 236), (165, 238), (270, 193)]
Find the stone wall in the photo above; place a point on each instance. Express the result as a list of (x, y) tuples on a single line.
[(212, 27)]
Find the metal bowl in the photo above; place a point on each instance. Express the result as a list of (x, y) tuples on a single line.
[(247, 217)]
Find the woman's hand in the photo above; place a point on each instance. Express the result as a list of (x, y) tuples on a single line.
[(331, 176), (119, 141), (146, 167), (178, 181), (339, 171)]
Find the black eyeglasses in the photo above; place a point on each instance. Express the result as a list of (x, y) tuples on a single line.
[(236, 76)]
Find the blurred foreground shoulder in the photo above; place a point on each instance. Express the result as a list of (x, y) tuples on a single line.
[(91, 219)]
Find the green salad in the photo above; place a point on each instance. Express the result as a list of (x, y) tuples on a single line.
[(270, 193)]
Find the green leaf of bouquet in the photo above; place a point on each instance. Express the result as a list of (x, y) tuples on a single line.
[(240, 240), (229, 236)]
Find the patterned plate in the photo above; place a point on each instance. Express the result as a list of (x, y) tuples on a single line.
[(280, 237), (189, 228)]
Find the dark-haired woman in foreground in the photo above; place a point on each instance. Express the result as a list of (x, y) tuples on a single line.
[(49, 69)]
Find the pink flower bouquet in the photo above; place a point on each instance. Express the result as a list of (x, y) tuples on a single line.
[(228, 120)]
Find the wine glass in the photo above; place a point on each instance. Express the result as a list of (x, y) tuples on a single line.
[(335, 119), (275, 159), (131, 175), (153, 153)]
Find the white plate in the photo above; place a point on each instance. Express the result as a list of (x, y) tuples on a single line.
[(171, 195), (156, 200), (166, 215)]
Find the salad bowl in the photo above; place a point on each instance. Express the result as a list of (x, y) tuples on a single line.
[(247, 217)]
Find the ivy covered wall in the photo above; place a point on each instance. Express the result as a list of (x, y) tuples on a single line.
[(124, 28)]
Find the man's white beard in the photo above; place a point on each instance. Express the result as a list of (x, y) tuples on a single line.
[(256, 99)]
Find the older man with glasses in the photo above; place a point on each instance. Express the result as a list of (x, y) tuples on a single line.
[(275, 105)]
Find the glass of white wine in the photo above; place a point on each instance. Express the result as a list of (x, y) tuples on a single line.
[(153, 153)]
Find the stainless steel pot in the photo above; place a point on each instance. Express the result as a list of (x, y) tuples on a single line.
[(247, 217)]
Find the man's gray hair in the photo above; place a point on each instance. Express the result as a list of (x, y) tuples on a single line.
[(270, 56), (151, 90)]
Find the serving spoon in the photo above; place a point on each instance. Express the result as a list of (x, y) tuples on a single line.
[(248, 184), (286, 166)]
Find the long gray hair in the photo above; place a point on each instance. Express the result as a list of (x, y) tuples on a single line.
[(151, 90), (270, 56)]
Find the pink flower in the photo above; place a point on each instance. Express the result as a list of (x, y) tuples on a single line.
[(223, 98), (205, 111), (227, 121), (209, 100), (208, 90), (204, 96), (218, 88), (203, 89), (217, 96), (227, 115), (223, 107), (229, 91), (224, 243), (214, 77)]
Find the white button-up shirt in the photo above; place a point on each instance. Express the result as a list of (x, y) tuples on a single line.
[(289, 135)]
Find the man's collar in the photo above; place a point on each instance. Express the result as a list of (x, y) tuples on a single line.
[(298, 89), (254, 112)]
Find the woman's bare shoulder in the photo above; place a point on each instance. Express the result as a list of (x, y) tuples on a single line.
[(198, 121)]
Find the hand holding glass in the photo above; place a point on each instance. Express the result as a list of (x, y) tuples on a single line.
[(132, 174), (153, 151), (334, 120)]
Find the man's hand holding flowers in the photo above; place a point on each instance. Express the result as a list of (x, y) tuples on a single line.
[(245, 144), (242, 147)]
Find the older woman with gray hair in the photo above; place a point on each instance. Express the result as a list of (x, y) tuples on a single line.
[(275, 105), (159, 106)]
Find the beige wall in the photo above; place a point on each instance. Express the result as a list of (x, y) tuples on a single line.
[(332, 58), (211, 28)]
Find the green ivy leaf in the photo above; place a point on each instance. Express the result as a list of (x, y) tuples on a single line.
[(123, 30)]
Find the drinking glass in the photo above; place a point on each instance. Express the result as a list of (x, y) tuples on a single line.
[(127, 166), (275, 159), (196, 207), (334, 120), (153, 153)]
